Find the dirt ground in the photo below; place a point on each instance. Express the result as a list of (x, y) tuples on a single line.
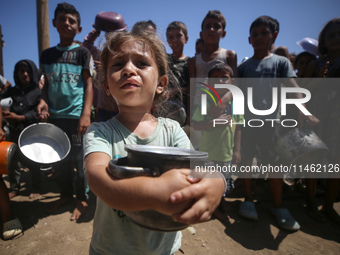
[(56, 234)]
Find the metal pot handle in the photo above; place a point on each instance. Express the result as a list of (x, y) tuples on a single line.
[(123, 172)]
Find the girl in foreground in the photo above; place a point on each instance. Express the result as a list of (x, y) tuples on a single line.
[(135, 68)]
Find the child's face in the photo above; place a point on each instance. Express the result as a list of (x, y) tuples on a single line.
[(261, 38), (67, 25), (222, 77), (24, 75), (176, 39), (132, 76), (332, 38), (212, 31), (301, 65)]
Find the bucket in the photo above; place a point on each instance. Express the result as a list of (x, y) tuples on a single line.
[(7, 150), (43, 144), (300, 147)]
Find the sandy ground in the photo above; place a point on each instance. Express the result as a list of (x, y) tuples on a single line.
[(56, 234)]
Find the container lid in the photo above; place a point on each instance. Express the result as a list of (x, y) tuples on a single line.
[(166, 152), (310, 45)]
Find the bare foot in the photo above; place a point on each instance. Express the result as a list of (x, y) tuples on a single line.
[(34, 195), (80, 209), (59, 203), (12, 194)]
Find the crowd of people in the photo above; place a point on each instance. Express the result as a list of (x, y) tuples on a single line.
[(133, 92)]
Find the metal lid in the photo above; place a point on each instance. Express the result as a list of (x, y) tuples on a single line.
[(166, 152)]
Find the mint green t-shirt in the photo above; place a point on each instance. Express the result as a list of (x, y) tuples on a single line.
[(113, 232), (218, 141)]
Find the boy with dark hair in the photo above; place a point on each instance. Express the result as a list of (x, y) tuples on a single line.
[(177, 37), (67, 100), (213, 29), (144, 26), (260, 141)]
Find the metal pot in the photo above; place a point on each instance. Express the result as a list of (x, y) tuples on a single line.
[(300, 147), (143, 160), (43, 144)]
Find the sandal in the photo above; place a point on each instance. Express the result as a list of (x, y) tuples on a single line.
[(285, 219), (12, 228), (248, 210)]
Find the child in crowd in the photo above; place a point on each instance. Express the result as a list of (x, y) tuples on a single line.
[(177, 37), (222, 142), (144, 26), (67, 100), (25, 96), (135, 74), (12, 226), (213, 29), (106, 107), (326, 106), (301, 62), (260, 141)]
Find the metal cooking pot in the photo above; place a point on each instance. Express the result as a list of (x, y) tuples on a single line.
[(43, 144), (143, 160), (300, 147)]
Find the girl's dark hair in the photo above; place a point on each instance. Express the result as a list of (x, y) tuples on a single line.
[(215, 15), (151, 42), (322, 40), (273, 24), (68, 9)]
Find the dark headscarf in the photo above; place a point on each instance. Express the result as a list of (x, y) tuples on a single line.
[(35, 75)]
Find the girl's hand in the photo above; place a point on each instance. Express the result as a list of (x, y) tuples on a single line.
[(169, 182), (206, 193)]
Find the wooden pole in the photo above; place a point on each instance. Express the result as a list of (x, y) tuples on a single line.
[(43, 25), (1, 58)]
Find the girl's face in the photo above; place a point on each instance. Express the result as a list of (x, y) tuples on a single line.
[(132, 76), (24, 75), (332, 38)]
